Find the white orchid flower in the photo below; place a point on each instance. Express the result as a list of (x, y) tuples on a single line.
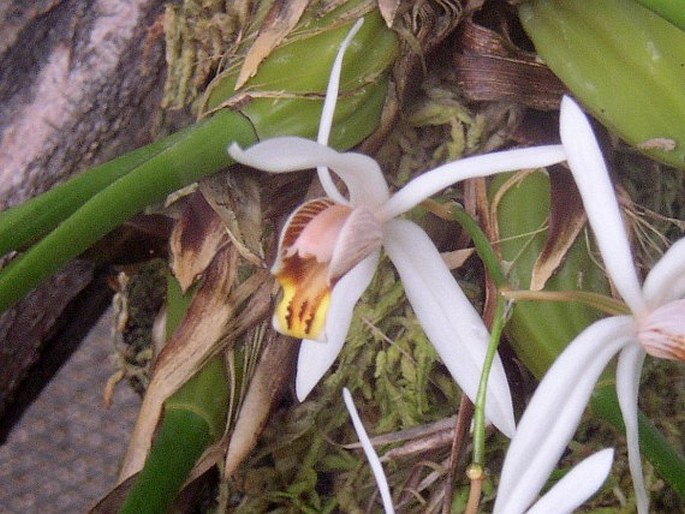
[(569, 493), (656, 326), (329, 250)]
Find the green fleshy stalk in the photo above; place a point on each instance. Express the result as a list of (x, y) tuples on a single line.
[(623, 62), (670, 10), (194, 418)]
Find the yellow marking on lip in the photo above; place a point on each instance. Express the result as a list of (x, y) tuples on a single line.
[(306, 298)]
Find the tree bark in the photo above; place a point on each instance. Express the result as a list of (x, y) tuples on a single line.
[(80, 83)]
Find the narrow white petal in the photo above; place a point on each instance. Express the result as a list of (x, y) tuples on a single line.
[(329, 110), (361, 174), (436, 180), (553, 414), (577, 485), (666, 281), (315, 357), (334, 86), (592, 178), (371, 455), (627, 386), (451, 323)]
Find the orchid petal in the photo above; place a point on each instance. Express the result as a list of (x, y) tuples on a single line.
[(361, 174), (371, 455), (577, 485), (627, 386), (329, 110), (311, 231), (662, 333), (592, 178), (451, 323), (436, 180), (315, 357), (554, 412), (666, 281)]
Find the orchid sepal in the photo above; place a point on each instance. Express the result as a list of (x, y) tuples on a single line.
[(597, 192), (554, 412), (581, 482), (448, 318), (315, 358)]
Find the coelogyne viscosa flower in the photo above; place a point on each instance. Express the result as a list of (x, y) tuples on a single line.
[(329, 250), (656, 326)]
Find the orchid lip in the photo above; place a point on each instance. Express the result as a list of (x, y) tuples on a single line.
[(303, 307), (320, 242), (662, 332)]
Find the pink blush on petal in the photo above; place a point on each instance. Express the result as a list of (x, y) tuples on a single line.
[(662, 333), (317, 240)]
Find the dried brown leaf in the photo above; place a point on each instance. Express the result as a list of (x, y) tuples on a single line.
[(422, 28), (456, 258), (489, 67), (475, 39), (488, 78), (195, 240), (388, 9), (279, 21), (112, 502), (273, 371), (246, 322), (213, 321), (235, 197), (566, 220)]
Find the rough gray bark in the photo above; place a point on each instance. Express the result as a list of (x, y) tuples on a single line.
[(80, 83)]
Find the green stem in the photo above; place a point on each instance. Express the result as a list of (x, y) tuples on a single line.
[(479, 412), (194, 418), (180, 442), (30, 221), (482, 244), (196, 154), (177, 303)]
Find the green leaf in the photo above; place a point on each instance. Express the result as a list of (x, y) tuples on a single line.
[(623, 62)]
